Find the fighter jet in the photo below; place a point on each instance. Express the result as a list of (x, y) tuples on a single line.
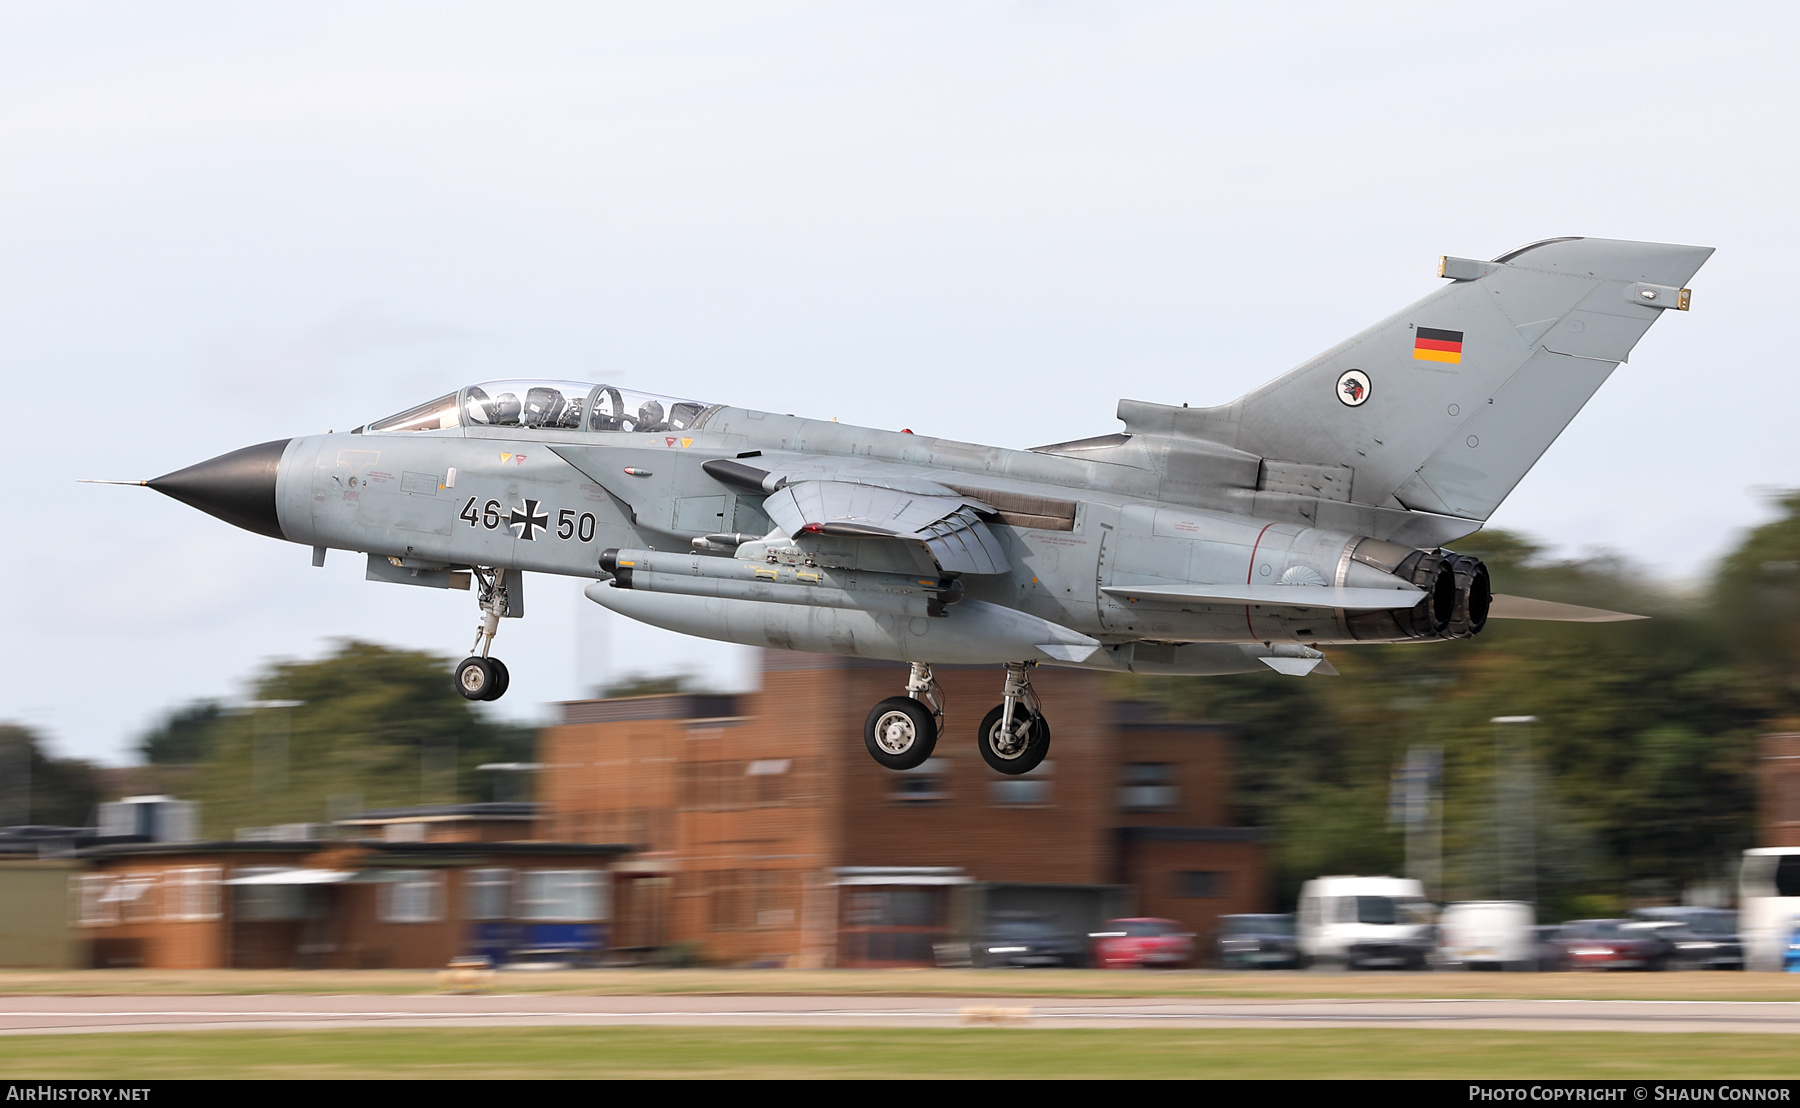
[(1311, 512)]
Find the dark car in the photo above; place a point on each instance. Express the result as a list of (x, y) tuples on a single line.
[(1700, 938), (1612, 944), (1028, 941), (1258, 942), (1547, 955)]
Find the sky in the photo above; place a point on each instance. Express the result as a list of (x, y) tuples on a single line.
[(222, 224)]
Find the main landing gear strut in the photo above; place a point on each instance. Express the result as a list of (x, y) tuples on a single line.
[(901, 731), (480, 677)]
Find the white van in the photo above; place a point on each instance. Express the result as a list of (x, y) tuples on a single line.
[(1364, 922), (1768, 904), (1487, 934)]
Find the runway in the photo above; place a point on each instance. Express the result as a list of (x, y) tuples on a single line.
[(86, 1015)]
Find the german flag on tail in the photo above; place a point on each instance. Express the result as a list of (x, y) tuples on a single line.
[(1433, 345)]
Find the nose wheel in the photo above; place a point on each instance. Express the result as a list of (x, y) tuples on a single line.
[(482, 678), (1014, 735), (901, 731), (479, 677)]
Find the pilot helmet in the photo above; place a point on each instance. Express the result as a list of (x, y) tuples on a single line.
[(504, 409)]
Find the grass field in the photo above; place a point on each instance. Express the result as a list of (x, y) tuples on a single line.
[(413, 1053), (927, 982)]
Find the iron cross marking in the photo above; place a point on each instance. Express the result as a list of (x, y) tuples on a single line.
[(530, 521)]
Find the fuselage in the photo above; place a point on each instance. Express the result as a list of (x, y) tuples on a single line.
[(1073, 519)]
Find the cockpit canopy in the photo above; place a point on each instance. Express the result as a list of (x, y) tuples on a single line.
[(563, 405)]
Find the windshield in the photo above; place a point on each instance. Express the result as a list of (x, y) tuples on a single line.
[(433, 415), (543, 404), (1389, 910), (1022, 929)]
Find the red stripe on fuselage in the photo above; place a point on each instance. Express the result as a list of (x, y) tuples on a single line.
[(1437, 344), (1250, 573)]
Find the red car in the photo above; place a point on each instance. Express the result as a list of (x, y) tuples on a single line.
[(1129, 943), (1611, 944)]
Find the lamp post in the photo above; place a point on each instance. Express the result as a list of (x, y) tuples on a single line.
[(1515, 827)]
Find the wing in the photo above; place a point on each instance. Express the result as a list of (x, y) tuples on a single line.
[(948, 525)]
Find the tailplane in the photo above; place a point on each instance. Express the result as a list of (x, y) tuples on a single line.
[(1444, 406)]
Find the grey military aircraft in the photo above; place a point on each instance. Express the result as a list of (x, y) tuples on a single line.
[(1311, 512)]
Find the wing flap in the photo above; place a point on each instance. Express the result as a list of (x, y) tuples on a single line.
[(1274, 596)]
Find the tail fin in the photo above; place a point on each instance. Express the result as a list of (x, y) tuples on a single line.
[(1444, 406)]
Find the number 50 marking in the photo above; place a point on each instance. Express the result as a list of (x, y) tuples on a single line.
[(567, 526)]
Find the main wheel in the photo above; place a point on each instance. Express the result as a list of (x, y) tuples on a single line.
[(502, 679), (476, 679), (1020, 752), (900, 733)]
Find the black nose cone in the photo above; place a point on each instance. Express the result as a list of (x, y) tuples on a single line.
[(238, 487)]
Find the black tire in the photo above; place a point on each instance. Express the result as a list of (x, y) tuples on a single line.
[(900, 733), (502, 679), (1011, 759), (475, 678)]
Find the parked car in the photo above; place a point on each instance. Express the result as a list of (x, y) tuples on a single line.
[(1257, 942), (1134, 943), (1547, 954), (1612, 944), (1702, 938), (1364, 923), (1027, 941), (1487, 934)]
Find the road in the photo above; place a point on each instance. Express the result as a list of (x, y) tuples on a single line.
[(68, 1014)]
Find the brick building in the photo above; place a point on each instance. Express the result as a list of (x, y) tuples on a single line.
[(427, 885), (1778, 789), (767, 834)]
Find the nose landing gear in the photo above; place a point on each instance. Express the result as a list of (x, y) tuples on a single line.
[(1015, 736), (901, 731), (480, 677)]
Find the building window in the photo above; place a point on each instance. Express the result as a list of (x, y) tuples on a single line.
[(769, 781), (713, 784), (191, 893), (1028, 790), (1199, 882), (566, 895), (92, 908), (724, 900), (487, 894), (267, 902), (922, 784), (135, 895), (1148, 787), (413, 896)]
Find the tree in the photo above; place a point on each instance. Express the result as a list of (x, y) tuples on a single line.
[(36, 788), (365, 727), (1756, 594), (1643, 747), (184, 737)]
